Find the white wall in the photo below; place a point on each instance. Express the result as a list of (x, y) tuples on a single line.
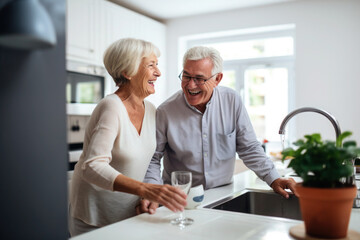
[(327, 56)]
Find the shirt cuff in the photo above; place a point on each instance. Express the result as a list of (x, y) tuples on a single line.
[(153, 181), (272, 176)]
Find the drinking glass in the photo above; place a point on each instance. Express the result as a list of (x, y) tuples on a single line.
[(182, 180)]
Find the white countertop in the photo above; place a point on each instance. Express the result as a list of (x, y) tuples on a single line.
[(208, 223)]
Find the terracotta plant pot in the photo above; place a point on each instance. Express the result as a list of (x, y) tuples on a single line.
[(326, 211)]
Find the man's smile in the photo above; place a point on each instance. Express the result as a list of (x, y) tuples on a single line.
[(194, 92)]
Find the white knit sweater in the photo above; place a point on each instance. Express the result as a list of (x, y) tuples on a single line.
[(112, 146)]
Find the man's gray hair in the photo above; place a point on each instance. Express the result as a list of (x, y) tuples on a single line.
[(201, 52)]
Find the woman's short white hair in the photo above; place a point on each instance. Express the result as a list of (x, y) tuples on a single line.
[(201, 52), (124, 57)]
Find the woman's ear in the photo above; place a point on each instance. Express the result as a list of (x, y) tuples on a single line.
[(126, 76)]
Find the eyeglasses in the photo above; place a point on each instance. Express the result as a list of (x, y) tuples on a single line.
[(198, 80)]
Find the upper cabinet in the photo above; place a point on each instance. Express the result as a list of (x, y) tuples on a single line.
[(83, 42), (92, 25), (118, 22)]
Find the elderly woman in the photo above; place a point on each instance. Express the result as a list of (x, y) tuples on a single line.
[(119, 143)]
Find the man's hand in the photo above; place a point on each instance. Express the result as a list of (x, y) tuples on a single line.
[(283, 183), (145, 206)]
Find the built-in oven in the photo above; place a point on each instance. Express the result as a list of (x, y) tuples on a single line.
[(85, 83), (85, 86)]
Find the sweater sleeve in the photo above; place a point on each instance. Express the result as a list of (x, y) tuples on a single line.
[(95, 167)]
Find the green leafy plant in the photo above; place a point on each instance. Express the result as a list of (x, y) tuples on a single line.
[(320, 163)]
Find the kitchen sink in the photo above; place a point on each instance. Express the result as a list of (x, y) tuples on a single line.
[(260, 203)]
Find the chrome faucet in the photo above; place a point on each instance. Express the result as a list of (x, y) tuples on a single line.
[(335, 123), (310, 109)]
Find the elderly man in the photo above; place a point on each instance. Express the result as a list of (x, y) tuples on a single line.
[(201, 128)]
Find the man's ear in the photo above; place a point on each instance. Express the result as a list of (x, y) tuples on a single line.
[(218, 78)]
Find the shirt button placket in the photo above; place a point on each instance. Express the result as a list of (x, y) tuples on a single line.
[(205, 145)]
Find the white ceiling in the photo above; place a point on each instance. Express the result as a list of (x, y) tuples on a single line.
[(163, 10)]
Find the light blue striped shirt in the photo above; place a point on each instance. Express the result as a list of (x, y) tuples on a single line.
[(206, 144)]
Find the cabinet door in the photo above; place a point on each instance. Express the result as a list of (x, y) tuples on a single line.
[(82, 28), (119, 22)]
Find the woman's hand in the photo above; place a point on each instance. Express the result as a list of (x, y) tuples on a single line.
[(166, 195)]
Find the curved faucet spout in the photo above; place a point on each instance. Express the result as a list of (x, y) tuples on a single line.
[(332, 119)]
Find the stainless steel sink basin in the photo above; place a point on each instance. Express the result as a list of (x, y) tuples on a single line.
[(260, 203)]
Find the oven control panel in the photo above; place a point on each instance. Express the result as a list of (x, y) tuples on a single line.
[(76, 125)]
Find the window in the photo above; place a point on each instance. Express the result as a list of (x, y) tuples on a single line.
[(258, 65), (266, 99)]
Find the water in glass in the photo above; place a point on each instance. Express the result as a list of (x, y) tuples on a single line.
[(182, 180)]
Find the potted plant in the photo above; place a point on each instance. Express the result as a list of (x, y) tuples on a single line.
[(326, 195)]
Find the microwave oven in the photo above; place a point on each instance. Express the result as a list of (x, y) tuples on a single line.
[(85, 83)]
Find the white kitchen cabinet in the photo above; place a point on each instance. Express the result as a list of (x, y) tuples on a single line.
[(119, 22), (83, 41), (92, 25)]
